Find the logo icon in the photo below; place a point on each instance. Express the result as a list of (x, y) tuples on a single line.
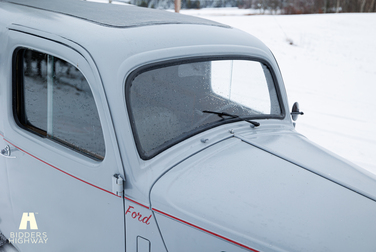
[(24, 236), (28, 218)]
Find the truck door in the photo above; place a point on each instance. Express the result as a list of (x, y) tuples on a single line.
[(62, 160)]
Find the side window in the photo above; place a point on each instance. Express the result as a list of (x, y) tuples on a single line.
[(52, 99)]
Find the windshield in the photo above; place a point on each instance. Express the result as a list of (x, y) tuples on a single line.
[(170, 103)]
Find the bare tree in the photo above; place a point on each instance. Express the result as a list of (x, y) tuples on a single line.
[(372, 6), (274, 6), (363, 3), (177, 6), (338, 5)]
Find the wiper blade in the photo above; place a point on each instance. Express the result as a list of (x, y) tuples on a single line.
[(222, 114)]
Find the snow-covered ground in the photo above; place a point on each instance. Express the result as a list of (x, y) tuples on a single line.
[(330, 69)]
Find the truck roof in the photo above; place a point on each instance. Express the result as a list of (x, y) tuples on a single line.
[(118, 32), (121, 16)]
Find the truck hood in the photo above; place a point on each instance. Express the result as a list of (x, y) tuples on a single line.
[(264, 193)]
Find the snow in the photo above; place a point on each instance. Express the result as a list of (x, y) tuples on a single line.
[(328, 62)]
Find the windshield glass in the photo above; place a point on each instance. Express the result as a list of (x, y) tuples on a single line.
[(170, 103)]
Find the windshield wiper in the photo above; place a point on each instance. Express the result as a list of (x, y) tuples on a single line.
[(222, 114)]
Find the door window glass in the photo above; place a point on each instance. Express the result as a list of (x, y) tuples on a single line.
[(54, 100)]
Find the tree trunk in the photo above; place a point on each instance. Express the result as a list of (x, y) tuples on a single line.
[(362, 5), (325, 6), (177, 6), (371, 7)]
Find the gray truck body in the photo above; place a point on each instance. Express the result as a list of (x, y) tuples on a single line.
[(151, 164)]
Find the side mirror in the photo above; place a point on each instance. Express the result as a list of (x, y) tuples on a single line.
[(295, 111)]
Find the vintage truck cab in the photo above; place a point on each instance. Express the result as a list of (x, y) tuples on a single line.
[(130, 129)]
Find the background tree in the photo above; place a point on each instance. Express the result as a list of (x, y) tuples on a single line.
[(270, 6)]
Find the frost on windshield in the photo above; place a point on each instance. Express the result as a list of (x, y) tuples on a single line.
[(166, 104)]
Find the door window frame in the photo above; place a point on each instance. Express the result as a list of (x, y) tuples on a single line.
[(19, 100)]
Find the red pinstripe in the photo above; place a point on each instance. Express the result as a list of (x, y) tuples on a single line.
[(62, 170), (156, 210), (205, 230), (136, 202)]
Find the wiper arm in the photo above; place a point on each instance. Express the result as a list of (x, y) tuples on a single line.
[(222, 114)]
